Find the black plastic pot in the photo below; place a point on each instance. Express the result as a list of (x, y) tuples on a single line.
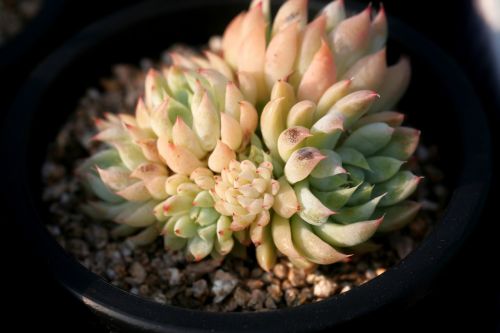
[(440, 102)]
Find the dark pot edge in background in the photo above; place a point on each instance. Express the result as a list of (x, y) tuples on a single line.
[(17, 47), (407, 279)]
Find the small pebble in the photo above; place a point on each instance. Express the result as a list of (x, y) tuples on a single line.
[(370, 274), (78, 247), (324, 288), (202, 267), (422, 153), (291, 296), (286, 285), (241, 296), (267, 277), (175, 277), (54, 230), (311, 278), (223, 285), (280, 271), (254, 284), (138, 272), (345, 289), (243, 271), (304, 295), (275, 292), (296, 277), (159, 297), (144, 290), (200, 288), (257, 298), (97, 236), (230, 305), (256, 272), (269, 303)]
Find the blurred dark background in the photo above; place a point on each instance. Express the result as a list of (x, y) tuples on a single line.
[(468, 293)]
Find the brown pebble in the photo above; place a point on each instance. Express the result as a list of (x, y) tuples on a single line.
[(137, 272), (200, 288), (269, 303), (297, 277), (144, 290), (280, 271), (241, 296), (230, 305), (78, 248), (203, 267), (223, 285), (97, 236), (324, 287), (275, 292), (243, 271), (267, 277), (345, 289), (52, 171), (291, 296), (310, 278), (174, 276), (286, 285), (304, 295), (370, 274), (254, 284), (256, 272), (212, 307), (159, 297), (257, 298), (379, 271)]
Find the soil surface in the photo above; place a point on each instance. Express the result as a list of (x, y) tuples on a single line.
[(234, 284)]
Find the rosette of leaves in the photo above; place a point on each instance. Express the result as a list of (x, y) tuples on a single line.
[(321, 174), (326, 90), (156, 176)]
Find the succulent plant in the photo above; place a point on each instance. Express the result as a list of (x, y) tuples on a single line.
[(344, 167), (159, 171), (278, 136)]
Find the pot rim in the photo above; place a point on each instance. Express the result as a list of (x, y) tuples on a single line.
[(408, 278)]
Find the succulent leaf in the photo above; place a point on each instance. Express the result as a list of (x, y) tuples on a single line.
[(403, 143), (354, 214), (311, 246), (312, 210), (369, 138), (347, 235), (398, 188), (382, 168)]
